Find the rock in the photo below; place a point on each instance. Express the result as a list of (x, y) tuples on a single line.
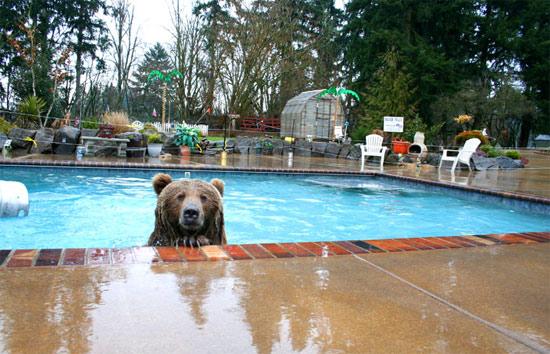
[(355, 152), (106, 151), (302, 148), (136, 139), (482, 163), (332, 150), (278, 147), (170, 146), (391, 159), (344, 151), (229, 143), (3, 138), (18, 135), (65, 140), (244, 145), (44, 141), (433, 159), (88, 132), (318, 148)]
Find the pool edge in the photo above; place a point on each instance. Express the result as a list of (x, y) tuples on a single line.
[(80, 257)]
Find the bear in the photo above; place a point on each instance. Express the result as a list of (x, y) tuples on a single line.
[(189, 212)]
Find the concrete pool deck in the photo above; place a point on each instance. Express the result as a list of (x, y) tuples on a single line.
[(464, 300), (474, 300)]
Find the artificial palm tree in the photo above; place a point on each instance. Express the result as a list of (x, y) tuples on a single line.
[(166, 79), (337, 92)]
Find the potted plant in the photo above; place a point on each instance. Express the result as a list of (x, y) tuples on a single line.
[(400, 146), (154, 145), (186, 138), (267, 146)]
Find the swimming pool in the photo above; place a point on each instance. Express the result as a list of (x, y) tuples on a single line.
[(78, 208)]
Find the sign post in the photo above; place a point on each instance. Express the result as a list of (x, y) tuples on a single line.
[(393, 124)]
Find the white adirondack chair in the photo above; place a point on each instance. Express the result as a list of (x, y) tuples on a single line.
[(137, 125), (464, 154), (373, 147)]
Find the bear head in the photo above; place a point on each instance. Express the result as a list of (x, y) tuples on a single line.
[(188, 212)]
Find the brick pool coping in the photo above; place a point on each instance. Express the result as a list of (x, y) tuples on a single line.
[(39, 258)]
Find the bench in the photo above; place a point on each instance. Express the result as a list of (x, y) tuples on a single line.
[(91, 147)]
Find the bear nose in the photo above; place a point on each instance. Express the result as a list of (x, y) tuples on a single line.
[(190, 213)]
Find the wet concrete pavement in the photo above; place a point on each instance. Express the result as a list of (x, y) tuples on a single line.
[(478, 300)]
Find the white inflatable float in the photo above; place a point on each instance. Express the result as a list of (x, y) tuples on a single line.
[(14, 198)]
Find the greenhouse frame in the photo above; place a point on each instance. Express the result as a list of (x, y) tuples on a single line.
[(307, 116)]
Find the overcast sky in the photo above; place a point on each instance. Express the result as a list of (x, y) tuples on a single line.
[(153, 18)]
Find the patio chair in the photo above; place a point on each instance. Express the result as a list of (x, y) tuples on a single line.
[(338, 133), (373, 147), (137, 125), (463, 155)]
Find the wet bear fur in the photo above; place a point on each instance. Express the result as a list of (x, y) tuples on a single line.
[(189, 212)]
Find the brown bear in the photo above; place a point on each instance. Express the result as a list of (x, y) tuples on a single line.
[(188, 213)]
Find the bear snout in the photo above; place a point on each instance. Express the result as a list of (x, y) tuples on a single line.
[(191, 217)]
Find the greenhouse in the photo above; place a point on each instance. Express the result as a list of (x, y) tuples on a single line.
[(307, 116)]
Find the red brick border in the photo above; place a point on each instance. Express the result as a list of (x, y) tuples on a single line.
[(104, 256)]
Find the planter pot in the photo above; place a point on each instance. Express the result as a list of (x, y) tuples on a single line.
[(185, 150), (154, 149), (400, 147)]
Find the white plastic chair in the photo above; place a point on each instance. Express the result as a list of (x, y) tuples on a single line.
[(464, 154), (373, 147), (137, 125), (338, 133)]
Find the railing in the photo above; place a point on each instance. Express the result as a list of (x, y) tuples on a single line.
[(259, 124)]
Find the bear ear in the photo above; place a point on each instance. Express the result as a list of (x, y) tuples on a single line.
[(218, 183), (160, 181)]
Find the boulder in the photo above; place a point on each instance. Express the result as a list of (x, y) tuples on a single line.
[(318, 148), (482, 163), (278, 147), (355, 152), (18, 136), (3, 138), (229, 143), (302, 148), (433, 159), (136, 139), (169, 146), (44, 141), (244, 145), (344, 151), (88, 132), (66, 140), (105, 151), (332, 150)]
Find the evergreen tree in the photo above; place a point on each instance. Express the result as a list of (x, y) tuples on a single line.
[(147, 95), (391, 94)]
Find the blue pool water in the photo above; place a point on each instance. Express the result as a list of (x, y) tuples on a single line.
[(115, 208)]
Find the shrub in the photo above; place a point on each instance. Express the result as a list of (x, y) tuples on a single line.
[(91, 123), (154, 139), (148, 128), (469, 134), (5, 126), (493, 153), (119, 120), (486, 148), (30, 108), (513, 154)]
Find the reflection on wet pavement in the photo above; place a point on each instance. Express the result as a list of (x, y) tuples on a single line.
[(334, 304)]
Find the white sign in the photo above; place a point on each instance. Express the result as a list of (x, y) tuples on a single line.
[(393, 124)]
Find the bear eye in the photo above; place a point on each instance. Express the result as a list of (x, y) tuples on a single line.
[(181, 196), (204, 198)]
